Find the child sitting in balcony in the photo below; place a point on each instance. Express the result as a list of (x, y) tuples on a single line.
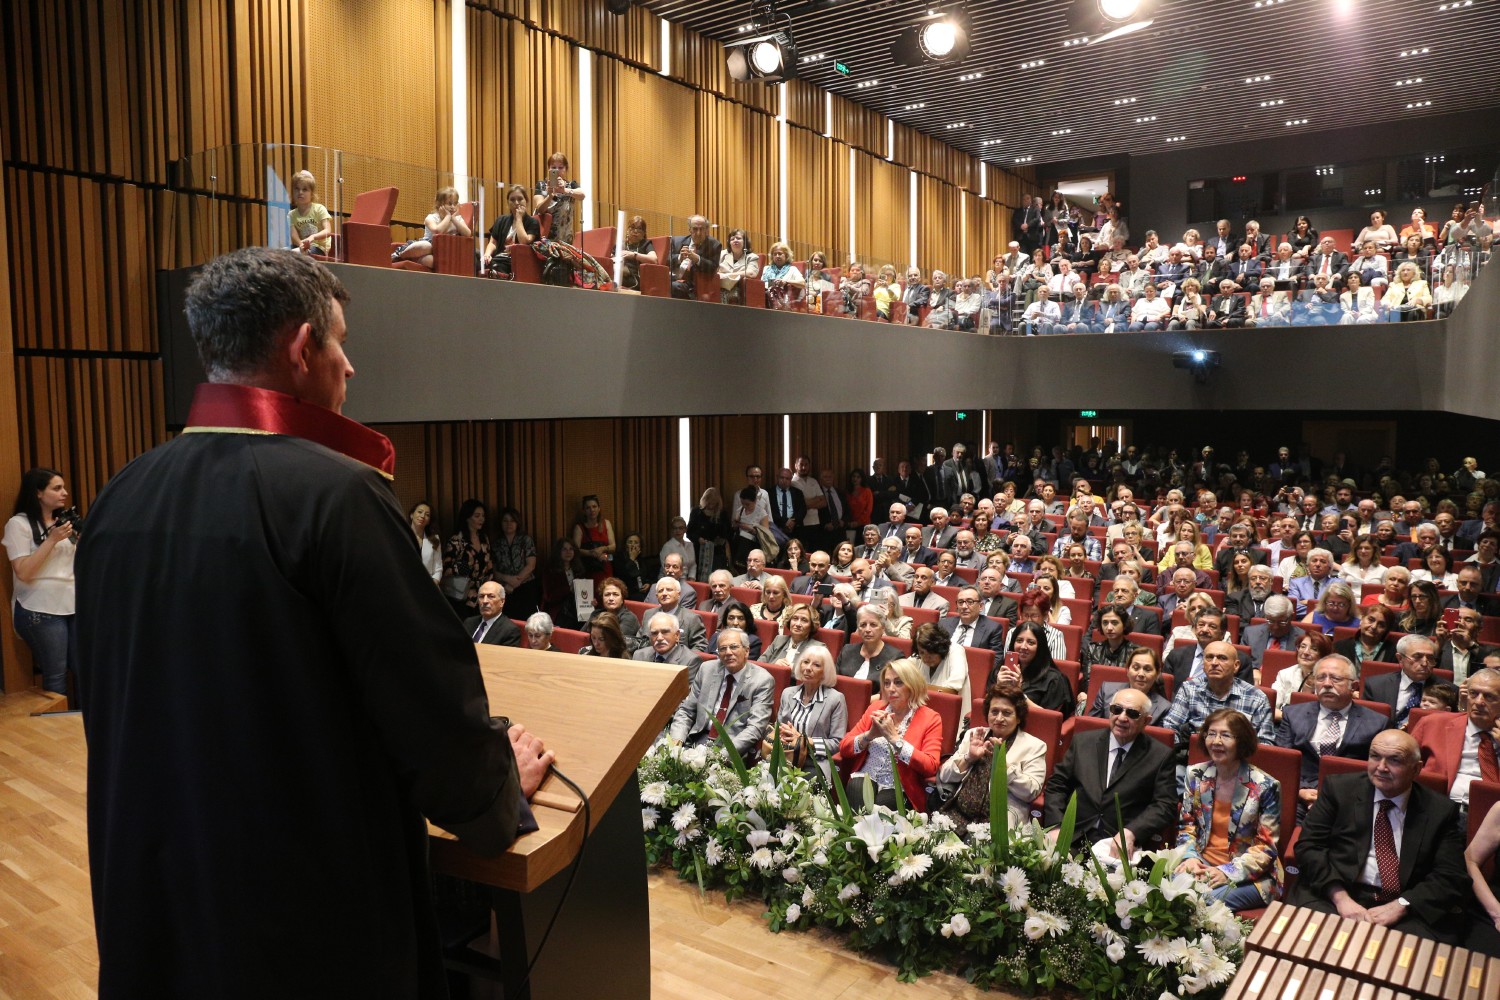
[(444, 219)]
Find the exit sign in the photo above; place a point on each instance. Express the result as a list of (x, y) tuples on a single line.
[(960, 415), (842, 68), (1088, 413)]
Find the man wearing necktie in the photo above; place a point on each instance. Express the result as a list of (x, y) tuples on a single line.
[(1462, 746), (1378, 847), (1332, 726), (788, 504), (1306, 590), (1403, 690), (730, 690), (490, 626)]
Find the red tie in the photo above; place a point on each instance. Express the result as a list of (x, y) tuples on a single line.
[(1489, 767), (1386, 859), (728, 692)]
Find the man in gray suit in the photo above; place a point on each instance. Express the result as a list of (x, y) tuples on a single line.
[(732, 690), (665, 632), (939, 534), (490, 626), (921, 595), (1121, 760), (1276, 632), (1332, 725), (669, 596)]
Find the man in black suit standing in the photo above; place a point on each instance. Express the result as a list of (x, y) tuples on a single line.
[(490, 626), (1331, 726), (1352, 862), (696, 251), (835, 513), (1029, 225), (970, 628), (788, 504), (1119, 761), (910, 489)]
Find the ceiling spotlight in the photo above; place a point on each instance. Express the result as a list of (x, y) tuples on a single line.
[(1101, 20), (768, 54), (617, 6), (940, 36)]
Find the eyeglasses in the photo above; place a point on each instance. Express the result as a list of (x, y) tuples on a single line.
[(1213, 737), (1129, 713), (729, 647)]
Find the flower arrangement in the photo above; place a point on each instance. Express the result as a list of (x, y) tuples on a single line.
[(1006, 908)]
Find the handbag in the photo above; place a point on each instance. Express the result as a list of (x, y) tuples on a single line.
[(768, 543), (456, 588)]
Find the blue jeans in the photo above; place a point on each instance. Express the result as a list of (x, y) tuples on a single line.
[(1238, 897), (53, 645)]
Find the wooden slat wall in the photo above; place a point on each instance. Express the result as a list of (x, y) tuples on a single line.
[(817, 193), (858, 126), (699, 62), (720, 448), (738, 166), (15, 658), (882, 215), (647, 123), (892, 439), (837, 441), (937, 229)]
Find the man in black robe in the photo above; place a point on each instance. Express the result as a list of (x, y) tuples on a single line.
[(273, 691)]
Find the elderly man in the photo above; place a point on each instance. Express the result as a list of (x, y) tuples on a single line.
[(964, 554), (669, 594), (916, 553), (696, 252), (665, 633), (970, 628), (1251, 602), (1462, 652), (490, 627), (1403, 691), (672, 566), (1185, 661), (1077, 534), (897, 523), (939, 534), (1462, 746), (1468, 596), (719, 596), (1332, 726), (1424, 536), (1178, 587), (1123, 596), (788, 505), (1219, 688), (755, 570), (944, 568), (816, 581), (994, 602), (1020, 554), (1378, 847), (1307, 590), (1276, 632), (1119, 763), (730, 690), (920, 595), (889, 564)]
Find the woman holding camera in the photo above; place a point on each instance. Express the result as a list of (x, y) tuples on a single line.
[(41, 539)]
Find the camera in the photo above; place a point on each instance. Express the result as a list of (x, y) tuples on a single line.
[(70, 516)]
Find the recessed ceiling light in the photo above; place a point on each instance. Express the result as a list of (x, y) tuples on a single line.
[(965, 78), (1125, 100), (1061, 131), (1455, 6), (953, 125), (1296, 121), (1176, 138), (915, 107), (1070, 42), (1409, 81), (1273, 104), (992, 142), (1415, 52), (1023, 159), (1034, 64), (1419, 104), (1262, 78), (1372, 192), (866, 84), (1145, 118), (746, 27)]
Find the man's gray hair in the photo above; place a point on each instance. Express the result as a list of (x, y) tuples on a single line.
[(1278, 605)]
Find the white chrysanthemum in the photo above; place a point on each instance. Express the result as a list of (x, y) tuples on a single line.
[(793, 913), (1052, 923), (1015, 887), (848, 892), (914, 866), (1183, 951), (762, 859), (1093, 888), (1114, 951), (792, 875), (655, 793), (1073, 874), (1034, 928), (649, 816), (950, 847), (770, 797), (1156, 950), (1218, 970), (687, 836), (1175, 886), (713, 851), (684, 816), (1136, 891), (979, 833), (758, 838)]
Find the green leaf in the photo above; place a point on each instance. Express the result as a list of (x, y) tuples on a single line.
[(846, 811), (1158, 871), (1125, 865), (735, 760), (999, 807), (895, 770), (1109, 892), (778, 755), (1065, 831)]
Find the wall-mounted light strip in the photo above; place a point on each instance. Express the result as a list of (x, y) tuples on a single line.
[(586, 137), (911, 224)]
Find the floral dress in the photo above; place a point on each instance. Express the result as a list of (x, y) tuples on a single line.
[(462, 559)]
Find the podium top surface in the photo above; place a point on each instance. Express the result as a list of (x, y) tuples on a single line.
[(598, 716)]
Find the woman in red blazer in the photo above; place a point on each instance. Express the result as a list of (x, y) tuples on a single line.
[(898, 719)]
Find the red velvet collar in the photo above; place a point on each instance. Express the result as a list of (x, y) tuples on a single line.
[(225, 408)]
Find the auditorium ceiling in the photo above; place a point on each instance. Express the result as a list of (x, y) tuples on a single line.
[(1205, 73)]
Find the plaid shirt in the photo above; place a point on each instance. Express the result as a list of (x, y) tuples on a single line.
[(1195, 701)]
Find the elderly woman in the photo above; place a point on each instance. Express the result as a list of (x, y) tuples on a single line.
[(799, 637), (736, 614), (1029, 663), (854, 287), (1231, 817), (785, 286), (539, 629), (1114, 311), (817, 281), (965, 777), (897, 739), (812, 717), (896, 622), (862, 660), (1359, 302), (887, 293), (636, 250), (775, 601), (736, 263), (606, 638), (1370, 642), (1407, 297), (1335, 608), (1437, 569), (946, 663), (1311, 647), (1143, 672)]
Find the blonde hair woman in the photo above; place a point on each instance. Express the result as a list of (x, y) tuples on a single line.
[(1407, 297), (775, 602)]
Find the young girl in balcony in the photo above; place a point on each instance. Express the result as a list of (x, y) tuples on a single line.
[(312, 226), (444, 219)]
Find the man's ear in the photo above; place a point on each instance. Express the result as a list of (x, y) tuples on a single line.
[(297, 348)]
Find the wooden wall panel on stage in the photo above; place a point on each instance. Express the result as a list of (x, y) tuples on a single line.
[(523, 99), (882, 220), (817, 192)]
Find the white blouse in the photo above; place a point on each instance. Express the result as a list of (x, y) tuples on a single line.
[(51, 589)]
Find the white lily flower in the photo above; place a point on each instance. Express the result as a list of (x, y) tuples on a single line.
[(874, 831)]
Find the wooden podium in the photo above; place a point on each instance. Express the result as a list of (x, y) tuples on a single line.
[(599, 716)]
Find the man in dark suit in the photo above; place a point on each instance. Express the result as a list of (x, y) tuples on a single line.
[(1251, 602), (1246, 270), (970, 628), (895, 527), (669, 593), (696, 251), (1462, 652), (1224, 241), (1256, 240), (1276, 632), (1119, 761), (834, 517), (490, 626), (1185, 661), (1352, 863), (939, 534), (1332, 725), (1403, 690), (1469, 597), (1226, 309), (1029, 225), (915, 553), (788, 504), (1122, 596), (909, 488), (994, 602), (665, 632), (732, 690), (1239, 541), (1424, 536), (1329, 261), (818, 565), (1285, 269)]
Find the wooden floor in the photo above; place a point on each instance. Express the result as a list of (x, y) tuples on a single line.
[(701, 948)]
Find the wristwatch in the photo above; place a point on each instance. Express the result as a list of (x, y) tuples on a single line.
[(1405, 903)]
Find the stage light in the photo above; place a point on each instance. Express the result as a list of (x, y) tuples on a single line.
[(940, 37), (769, 54), (617, 6), (1101, 20), (1119, 10), (1197, 361), (765, 57)]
